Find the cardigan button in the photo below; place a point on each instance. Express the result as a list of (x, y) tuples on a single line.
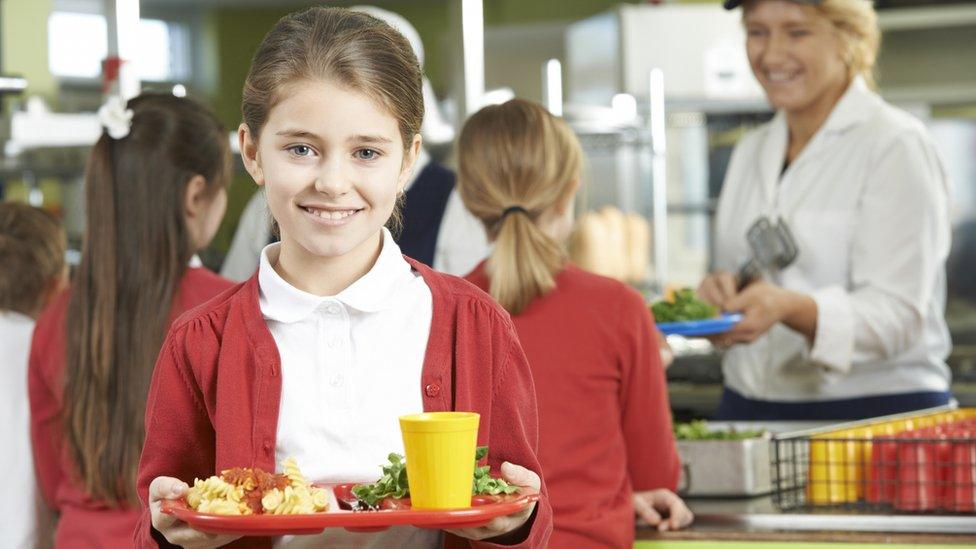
[(267, 445), (432, 390)]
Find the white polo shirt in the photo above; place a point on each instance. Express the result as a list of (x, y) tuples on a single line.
[(17, 513), (350, 365), (867, 202)]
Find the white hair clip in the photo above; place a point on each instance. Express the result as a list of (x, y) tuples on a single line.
[(115, 118)]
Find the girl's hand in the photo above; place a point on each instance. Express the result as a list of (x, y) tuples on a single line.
[(662, 508), (515, 475), (717, 288), (174, 530)]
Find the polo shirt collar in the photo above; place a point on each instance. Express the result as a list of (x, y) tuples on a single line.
[(373, 292)]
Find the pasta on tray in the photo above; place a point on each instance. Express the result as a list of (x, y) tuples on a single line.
[(247, 491)]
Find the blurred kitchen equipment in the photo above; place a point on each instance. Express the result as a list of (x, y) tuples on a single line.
[(773, 249), (613, 244), (724, 467), (12, 84), (733, 468)]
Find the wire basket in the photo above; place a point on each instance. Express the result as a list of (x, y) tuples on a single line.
[(916, 464)]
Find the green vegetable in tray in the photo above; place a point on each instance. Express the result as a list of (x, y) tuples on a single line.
[(698, 430), (681, 306), (394, 483), (484, 483)]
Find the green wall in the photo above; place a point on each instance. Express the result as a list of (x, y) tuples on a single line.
[(23, 39)]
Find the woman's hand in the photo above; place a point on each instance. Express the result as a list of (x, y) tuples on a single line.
[(517, 476), (662, 508), (764, 304), (174, 530), (667, 354), (717, 288)]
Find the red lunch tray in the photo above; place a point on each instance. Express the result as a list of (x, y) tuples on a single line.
[(393, 513)]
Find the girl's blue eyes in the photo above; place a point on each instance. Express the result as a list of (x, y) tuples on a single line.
[(367, 154), (304, 151), (300, 150)]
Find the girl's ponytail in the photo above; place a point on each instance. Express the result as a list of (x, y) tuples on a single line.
[(516, 162), (523, 263)]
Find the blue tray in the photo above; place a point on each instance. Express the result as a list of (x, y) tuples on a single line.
[(710, 326)]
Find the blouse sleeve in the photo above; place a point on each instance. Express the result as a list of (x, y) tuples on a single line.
[(901, 243)]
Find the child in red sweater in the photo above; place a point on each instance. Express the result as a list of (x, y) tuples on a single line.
[(337, 333), (155, 193), (33, 272), (606, 443)]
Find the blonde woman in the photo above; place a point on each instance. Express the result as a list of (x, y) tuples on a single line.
[(854, 328), (590, 340)]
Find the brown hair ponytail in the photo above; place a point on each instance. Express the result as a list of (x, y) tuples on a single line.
[(135, 250), (516, 162)]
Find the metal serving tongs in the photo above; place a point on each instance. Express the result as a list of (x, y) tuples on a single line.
[(773, 249)]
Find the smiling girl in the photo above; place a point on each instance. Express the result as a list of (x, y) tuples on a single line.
[(337, 334)]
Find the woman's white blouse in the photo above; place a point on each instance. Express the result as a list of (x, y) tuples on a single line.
[(350, 365), (867, 202)]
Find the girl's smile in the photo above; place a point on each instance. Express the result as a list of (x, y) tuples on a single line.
[(330, 216)]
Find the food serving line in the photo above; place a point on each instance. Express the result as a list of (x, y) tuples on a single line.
[(908, 478)]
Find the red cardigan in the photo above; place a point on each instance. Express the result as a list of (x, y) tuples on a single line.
[(214, 398), (603, 405), (84, 522)]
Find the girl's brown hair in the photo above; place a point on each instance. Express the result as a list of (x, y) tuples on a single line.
[(518, 155), (135, 250), (32, 245), (349, 47)]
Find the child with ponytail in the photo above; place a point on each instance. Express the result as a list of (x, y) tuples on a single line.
[(607, 446), (155, 192)]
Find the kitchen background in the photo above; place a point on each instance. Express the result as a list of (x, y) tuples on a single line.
[(659, 92)]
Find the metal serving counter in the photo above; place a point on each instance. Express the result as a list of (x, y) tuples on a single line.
[(756, 519)]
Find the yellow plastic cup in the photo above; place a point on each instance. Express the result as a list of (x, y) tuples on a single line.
[(440, 449)]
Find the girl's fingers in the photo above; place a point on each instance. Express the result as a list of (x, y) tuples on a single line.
[(188, 538), (646, 511), (520, 476), (164, 488), (517, 476)]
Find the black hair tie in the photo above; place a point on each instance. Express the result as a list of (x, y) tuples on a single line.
[(513, 209)]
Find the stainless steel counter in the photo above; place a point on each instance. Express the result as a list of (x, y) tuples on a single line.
[(758, 514), (757, 519)]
